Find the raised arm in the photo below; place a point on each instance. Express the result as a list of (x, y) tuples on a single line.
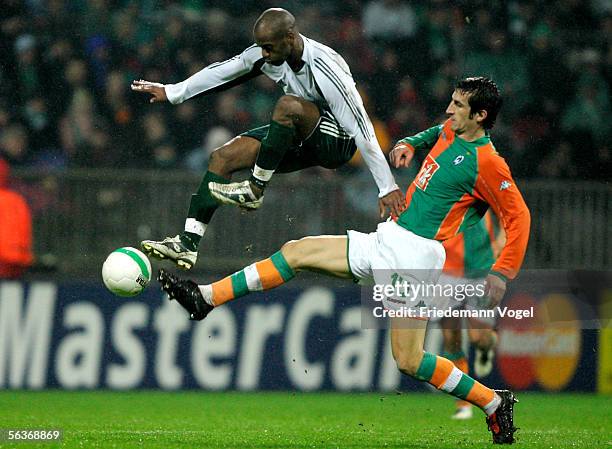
[(216, 77)]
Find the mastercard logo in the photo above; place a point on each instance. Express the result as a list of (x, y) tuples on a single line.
[(544, 349)]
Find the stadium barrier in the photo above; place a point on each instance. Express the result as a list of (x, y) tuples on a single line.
[(82, 215), (306, 336)]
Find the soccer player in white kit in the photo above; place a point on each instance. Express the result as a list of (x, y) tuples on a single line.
[(320, 121)]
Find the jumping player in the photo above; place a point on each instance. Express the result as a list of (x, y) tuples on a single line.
[(320, 121), (461, 177)]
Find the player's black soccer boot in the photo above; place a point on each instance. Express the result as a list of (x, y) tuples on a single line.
[(187, 294), (501, 422)]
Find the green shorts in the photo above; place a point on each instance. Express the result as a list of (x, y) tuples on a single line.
[(328, 146)]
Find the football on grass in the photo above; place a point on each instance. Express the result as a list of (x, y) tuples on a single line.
[(126, 271)]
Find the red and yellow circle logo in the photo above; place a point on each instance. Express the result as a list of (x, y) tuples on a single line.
[(544, 348)]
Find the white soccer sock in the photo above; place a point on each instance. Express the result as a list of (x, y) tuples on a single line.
[(490, 408), (195, 227), (206, 291), (262, 174)]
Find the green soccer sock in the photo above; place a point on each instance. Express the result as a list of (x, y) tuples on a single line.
[(444, 375), (273, 148), (202, 208)]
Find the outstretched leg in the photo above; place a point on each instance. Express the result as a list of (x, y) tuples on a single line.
[(293, 119), (237, 154), (323, 254)]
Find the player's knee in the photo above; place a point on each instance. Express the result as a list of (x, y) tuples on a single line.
[(292, 253), (218, 159), (229, 158), (408, 362), (288, 107), (299, 254)]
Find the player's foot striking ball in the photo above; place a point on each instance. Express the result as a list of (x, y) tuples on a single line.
[(501, 422), (186, 293), (171, 248)]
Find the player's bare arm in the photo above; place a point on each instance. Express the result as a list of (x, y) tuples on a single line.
[(156, 90)]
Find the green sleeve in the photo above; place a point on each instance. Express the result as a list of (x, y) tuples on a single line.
[(425, 140)]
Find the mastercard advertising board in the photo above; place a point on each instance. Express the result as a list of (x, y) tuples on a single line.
[(561, 346)]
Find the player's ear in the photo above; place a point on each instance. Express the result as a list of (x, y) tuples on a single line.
[(481, 116), (290, 36)]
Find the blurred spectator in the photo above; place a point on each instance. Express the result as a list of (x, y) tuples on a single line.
[(506, 65), (14, 146), (548, 73), (40, 125), (197, 159), (79, 131), (585, 120), (158, 149), (186, 129), (28, 67), (15, 230), (389, 20)]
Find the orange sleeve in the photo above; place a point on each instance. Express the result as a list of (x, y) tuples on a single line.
[(495, 186)]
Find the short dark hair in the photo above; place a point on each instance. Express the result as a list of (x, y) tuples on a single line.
[(483, 95)]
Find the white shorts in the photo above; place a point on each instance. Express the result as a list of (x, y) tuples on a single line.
[(393, 252)]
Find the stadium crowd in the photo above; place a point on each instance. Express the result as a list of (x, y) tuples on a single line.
[(66, 68)]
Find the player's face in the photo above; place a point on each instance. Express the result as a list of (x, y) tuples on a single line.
[(275, 51), (459, 113)]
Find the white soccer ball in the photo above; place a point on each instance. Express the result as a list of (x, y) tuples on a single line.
[(126, 271)]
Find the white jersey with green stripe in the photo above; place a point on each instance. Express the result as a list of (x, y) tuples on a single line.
[(325, 79)]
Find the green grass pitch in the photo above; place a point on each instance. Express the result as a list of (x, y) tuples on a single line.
[(194, 419)]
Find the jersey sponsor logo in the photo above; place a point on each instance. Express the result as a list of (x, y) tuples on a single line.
[(459, 159), (505, 185), (429, 167)]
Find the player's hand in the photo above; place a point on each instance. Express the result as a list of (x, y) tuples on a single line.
[(401, 155), (155, 89), (394, 201), (495, 288)]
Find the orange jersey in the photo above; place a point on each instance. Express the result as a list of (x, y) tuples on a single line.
[(457, 183)]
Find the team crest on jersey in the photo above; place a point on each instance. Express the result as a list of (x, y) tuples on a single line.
[(459, 159), (429, 167)]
